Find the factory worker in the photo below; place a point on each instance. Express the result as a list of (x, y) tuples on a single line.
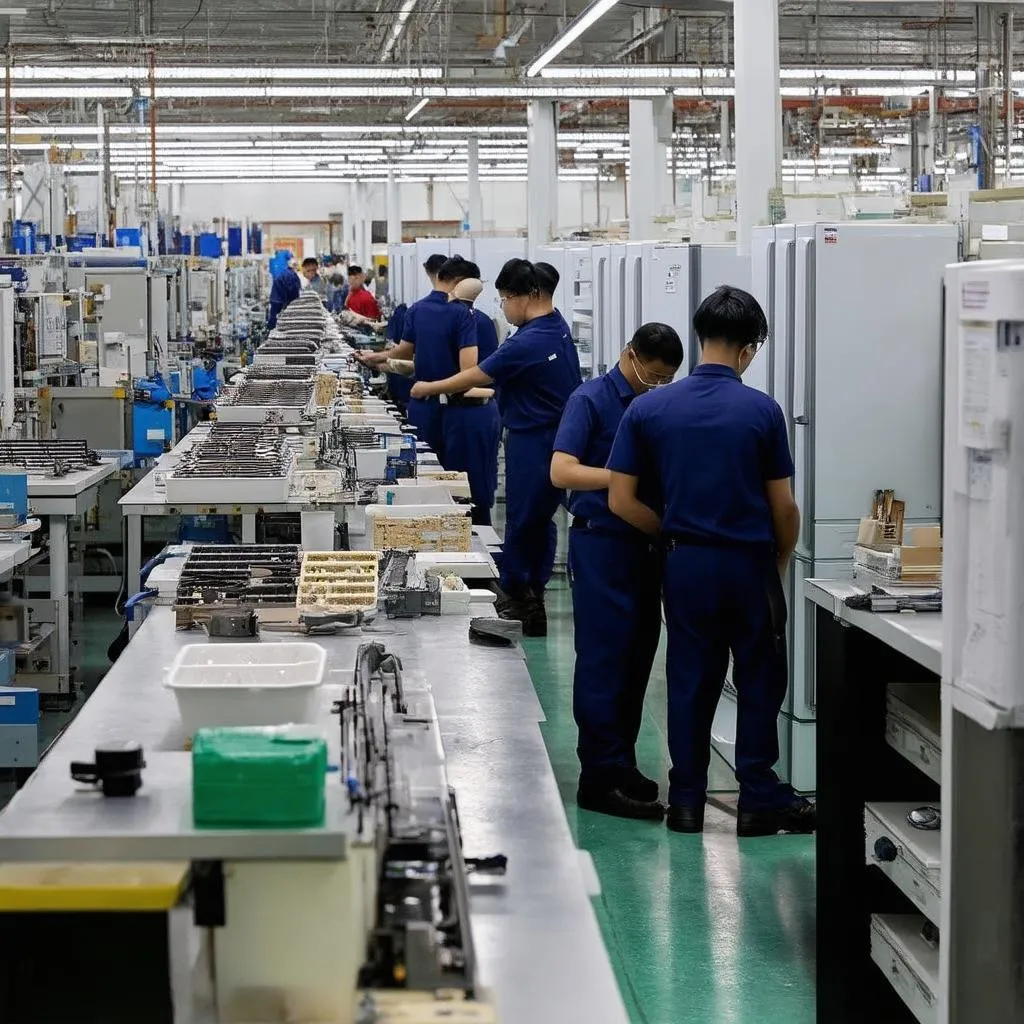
[(311, 274), (359, 298), (398, 385), (536, 373), (434, 334), (284, 291), (616, 580), (549, 277), (472, 423), (720, 454)]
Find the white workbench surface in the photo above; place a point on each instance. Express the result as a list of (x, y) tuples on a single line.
[(918, 635), (536, 936), (67, 495)]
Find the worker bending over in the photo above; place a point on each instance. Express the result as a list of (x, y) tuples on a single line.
[(434, 335), (472, 423), (615, 571), (359, 299), (719, 452), (536, 370), (284, 291)]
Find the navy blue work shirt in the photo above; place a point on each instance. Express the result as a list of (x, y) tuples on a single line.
[(439, 330), (396, 325), (283, 292), (486, 335), (536, 373), (713, 443), (589, 423)]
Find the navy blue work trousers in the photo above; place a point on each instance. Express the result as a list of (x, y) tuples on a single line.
[(472, 434), (720, 601), (528, 551), (427, 416), (616, 601)]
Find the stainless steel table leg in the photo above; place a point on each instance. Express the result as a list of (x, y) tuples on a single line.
[(59, 560), (249, 529)]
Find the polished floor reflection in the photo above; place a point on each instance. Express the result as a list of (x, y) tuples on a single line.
[(701, 929)]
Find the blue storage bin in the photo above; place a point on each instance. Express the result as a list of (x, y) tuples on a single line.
[(127, 236), (210, 245), (234, 241)]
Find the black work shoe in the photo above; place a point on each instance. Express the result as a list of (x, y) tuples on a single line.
[(638, 786), (685, 819), (619, 804), (535, 618), (800, 817)]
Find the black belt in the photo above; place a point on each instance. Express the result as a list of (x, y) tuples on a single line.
[(461, 401), (586, 526), (673, 541)]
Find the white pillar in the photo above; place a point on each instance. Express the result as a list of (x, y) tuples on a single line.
[(542, 174), (364, 224), (394, 211), (101, 191), (758, 113), (650, 131), (476, 196)]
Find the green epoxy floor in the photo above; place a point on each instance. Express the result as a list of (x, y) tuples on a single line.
[(700, 929)]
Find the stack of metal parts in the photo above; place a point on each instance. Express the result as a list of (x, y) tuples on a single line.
[(287, 352), (266, 371), (406, 593), (235, 463), (48, 458), (216, 578), (287, 401)]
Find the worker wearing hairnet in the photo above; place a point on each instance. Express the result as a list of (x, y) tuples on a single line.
[(283, 292), (536, 370), (472, 423), (720, 454), (615, 571)]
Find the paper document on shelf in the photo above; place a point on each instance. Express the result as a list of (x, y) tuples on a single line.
[(977, 386)]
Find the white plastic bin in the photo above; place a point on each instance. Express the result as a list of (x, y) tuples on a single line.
[(247, 684)]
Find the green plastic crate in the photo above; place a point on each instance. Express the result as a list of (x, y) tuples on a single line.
[(258, 778)]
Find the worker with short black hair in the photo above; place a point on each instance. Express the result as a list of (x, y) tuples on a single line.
[(719, 452), (615, 571), (314, 280), (359, 299), (536, 370), (434, 336)]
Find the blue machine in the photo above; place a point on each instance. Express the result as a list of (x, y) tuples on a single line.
[(152, 418), (279, 262), (24, 238), (18, 276), (204, 530), (14, 492), (256, 239), (235, 241), (127, 236), (205, 383), (19, 726), (210, 245)]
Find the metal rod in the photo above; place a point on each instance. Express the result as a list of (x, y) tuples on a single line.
[(1008, 85), (152, 130), (8, 118)]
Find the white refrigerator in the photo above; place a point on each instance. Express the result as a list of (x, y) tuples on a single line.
[(858, 353), (490, 255)]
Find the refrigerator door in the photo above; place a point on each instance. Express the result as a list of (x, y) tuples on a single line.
[(877, 367), (762, 287), (783, 327), (414, 278), (718, 265), (632, 290), (801, 389), (613, 339), (490, 255), (600, 256), (800, 697), (668, 281)]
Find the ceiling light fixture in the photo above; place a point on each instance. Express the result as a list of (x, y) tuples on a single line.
[(416, 109), (397, 29), (590, 14)]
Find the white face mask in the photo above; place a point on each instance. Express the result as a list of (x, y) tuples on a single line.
[(639, 369)]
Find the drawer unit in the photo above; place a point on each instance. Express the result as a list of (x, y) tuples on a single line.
[(909, 962), (913, 725), (910, 857)]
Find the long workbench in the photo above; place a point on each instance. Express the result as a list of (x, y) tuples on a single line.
[(539, 947)]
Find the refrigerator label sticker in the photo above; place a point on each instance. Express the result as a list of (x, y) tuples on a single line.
[(977, 370), (672, 279), (974, 295), (831, 236)]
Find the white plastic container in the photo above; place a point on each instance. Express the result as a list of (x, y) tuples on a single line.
[(247, 684)]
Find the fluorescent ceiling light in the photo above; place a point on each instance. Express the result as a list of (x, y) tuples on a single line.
[(213, 72), (397, 29), (635, 71), (592, 13), (62, 92), (203, 92), (416, 109)]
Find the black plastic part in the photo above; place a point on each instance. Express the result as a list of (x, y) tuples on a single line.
[(117, 769), (885, 850), (208, 900)]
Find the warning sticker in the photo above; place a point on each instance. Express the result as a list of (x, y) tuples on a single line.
[(831, 236)]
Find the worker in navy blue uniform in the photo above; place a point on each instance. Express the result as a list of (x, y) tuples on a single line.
[(720, 453), (472, 428), (536, 373), (616, 581), (283, 292), (398, 385), (434, 333), (549, 277)]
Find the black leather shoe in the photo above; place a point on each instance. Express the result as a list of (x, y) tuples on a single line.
[(619, 805), (800, 817), (685, 819), (535, 617), (638, 786)]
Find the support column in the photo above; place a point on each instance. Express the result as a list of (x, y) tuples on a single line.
[(475, 213), (392, 202), (650, 132), (542, 174), (101, 190), (758, 113)]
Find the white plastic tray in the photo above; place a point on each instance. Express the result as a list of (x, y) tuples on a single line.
[(236, 490), (247, 684)]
